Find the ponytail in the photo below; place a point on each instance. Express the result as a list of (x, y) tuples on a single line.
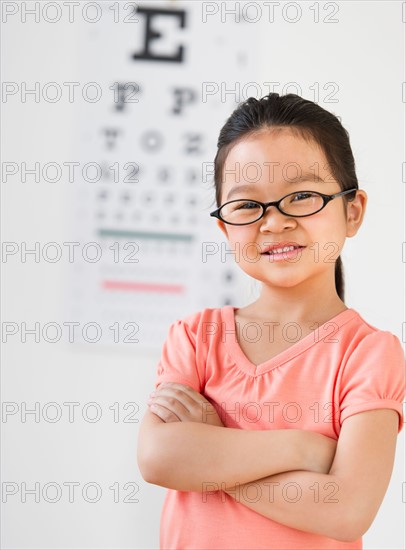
[(339, 278)]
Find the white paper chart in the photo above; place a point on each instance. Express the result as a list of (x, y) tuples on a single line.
[(162, 82)]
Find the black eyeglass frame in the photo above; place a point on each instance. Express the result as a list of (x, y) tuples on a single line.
[(265, 205)]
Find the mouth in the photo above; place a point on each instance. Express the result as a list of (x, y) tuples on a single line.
[(282, 249)]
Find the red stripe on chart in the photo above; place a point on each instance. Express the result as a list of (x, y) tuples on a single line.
[(149, 287)]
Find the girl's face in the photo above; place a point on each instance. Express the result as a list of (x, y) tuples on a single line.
[(269, 166)]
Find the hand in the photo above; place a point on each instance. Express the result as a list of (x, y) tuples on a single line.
[(181, 403)]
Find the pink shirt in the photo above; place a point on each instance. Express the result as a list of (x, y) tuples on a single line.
[(345, 367)]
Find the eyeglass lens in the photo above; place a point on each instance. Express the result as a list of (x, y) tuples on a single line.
[(296, 204)]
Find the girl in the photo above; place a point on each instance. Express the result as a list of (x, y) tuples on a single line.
[(274, 425)]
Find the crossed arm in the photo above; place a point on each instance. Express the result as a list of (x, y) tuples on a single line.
[(184, 445)]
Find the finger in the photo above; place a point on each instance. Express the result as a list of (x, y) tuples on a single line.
[(184, 406), (193, 394), (173, 405), (164, 414), (183, 387), (179, 395)]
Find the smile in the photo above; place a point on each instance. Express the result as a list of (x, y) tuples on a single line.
[(282, 250)]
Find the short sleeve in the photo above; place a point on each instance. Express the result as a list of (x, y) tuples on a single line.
[(374, 377), (178, 359)]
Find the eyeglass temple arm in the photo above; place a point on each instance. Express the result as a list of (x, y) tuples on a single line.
[(343, 192)]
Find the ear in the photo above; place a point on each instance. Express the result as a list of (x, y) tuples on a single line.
[(223, 227), (356, 212)]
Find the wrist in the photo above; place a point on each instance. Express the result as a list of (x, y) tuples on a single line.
[(303, 445), (319, 452)]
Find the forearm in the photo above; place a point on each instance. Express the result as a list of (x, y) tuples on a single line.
[(188, 455), (309, 501), (342, 503)]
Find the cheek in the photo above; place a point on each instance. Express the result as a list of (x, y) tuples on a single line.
[(241, 235), (328, 236), (243, 242), (325, 226)]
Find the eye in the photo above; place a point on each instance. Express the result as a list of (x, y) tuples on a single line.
[(302, 196), (246, 205)]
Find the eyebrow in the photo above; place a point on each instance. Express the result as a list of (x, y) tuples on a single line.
[(305, 177)]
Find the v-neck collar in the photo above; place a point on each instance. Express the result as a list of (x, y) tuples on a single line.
[(241, 360)]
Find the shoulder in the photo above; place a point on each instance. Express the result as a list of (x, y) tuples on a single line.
[(370, 335), (359, 336), (200, 325), (372, 370), (371, 357)]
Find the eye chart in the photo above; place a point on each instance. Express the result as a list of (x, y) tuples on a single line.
[(161, 79)]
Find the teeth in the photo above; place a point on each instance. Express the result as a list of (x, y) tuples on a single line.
[(280, 250)]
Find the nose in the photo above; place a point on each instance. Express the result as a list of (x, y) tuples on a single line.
[(275, 221)]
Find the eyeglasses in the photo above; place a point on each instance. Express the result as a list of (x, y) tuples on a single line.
[(296, 205)]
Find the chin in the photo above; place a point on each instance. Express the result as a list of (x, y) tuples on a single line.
[(281, 273), (282, 280)]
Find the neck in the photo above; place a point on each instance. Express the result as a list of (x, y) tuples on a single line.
[(315, 298)]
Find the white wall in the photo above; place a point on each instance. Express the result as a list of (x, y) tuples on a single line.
[(363, 55)]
